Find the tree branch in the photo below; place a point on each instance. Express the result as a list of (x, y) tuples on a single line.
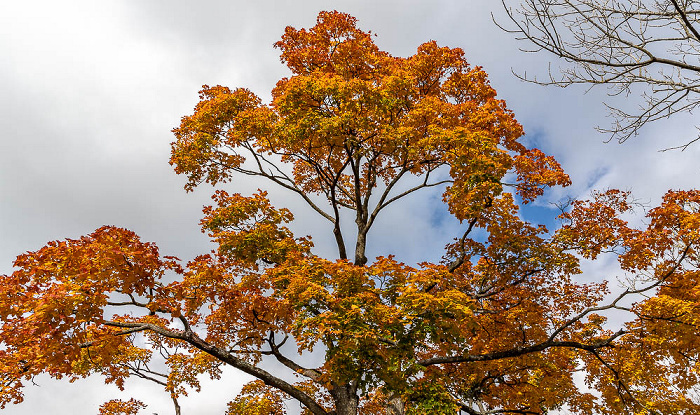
[(224, 356)]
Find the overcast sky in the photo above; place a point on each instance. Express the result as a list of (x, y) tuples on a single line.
[(89, 91)]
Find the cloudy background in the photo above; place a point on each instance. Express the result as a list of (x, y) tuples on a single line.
[(89, 92)]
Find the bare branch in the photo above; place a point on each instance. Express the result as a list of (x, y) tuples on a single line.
[(652, 46)]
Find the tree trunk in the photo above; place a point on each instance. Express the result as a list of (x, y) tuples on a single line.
[(345, 399), (360, 258)]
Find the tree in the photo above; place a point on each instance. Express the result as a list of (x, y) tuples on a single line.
[(503, 325), (647, 47)]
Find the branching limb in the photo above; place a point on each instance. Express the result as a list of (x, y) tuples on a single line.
[(224, 356), (655, 45), (521, 351), (312, 374)]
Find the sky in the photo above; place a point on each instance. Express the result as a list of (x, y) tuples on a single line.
[(89, 92)]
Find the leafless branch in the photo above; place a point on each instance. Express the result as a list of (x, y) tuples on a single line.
[(648, 46)]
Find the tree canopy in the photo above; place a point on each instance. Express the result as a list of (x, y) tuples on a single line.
[(506, 323)]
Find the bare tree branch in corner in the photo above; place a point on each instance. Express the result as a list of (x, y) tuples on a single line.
[(645, 47)]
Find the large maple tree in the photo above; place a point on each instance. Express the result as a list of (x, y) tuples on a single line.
[(505, 324)]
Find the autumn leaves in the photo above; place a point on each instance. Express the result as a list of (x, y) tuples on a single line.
[(502, 325)]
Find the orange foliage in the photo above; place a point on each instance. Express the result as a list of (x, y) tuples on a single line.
[(502, 325), (119, 407)]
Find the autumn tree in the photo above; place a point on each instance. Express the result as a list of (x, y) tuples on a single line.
[(505, 324), (644, 47)]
